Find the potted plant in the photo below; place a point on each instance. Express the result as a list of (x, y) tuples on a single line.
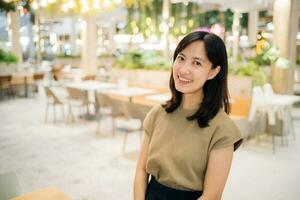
[(8, 62)]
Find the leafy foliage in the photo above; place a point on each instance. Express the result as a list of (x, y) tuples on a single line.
[(268, 56), (149, 60), (7, 57), (7, 6), (249, 69)]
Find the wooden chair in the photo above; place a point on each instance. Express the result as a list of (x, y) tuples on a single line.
[(5, 86), (53, 100), (107, 107), (77, 98), (37, 77), (131, 111)]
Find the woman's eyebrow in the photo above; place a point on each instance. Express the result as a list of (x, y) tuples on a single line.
[(182, 54), (198, 58)]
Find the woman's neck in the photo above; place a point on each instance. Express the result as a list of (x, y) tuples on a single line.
[(192, 100)]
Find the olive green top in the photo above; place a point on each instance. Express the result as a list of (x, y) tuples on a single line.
[(179, 149)]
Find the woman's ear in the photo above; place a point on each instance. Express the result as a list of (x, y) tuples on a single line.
[(213, 72)]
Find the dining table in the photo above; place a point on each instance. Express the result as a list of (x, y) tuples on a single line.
[(130, 92), (49, 193)]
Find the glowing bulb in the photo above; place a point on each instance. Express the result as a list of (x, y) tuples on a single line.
[(71, 4), (148, 20), (35, 5), (65, 8)]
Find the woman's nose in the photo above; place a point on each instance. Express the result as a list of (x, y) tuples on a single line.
[(184, 69)]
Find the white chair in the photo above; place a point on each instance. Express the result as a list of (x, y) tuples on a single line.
[(77, 98), (54, 100), (9, 186), (107, 107), (135, 114), (270, 113), (283, 104)]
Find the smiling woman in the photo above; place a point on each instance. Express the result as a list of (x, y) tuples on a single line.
[(190, 140)]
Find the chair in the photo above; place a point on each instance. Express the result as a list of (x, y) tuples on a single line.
[(9, 186), (5, 85), (53, 100), (135, 112), (89, 77), (271, 115), (37, 77), (106, 106), (77, 98)]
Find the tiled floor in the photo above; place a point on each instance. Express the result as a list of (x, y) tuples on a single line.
[(85, 165)]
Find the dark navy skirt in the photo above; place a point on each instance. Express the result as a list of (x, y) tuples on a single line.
[(157, 191)]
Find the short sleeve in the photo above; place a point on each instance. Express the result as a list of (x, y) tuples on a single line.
[(149, 121), (225, 135)]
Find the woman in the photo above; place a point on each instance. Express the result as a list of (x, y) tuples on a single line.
[(189, 141)]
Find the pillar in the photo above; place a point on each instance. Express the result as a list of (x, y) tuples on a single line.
[(89, 45), (285, 19), (14, 35)]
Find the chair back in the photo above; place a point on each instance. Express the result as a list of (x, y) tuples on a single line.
[(268, 90), (9, 186), (105, 101), (77, 94), (133, 110), (38, 76), (89, 77), (51, 95), (5, 80)]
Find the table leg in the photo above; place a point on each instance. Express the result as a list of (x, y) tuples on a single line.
[(25, 86)]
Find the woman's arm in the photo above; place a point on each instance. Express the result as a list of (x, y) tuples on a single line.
[(141, 177), (218, 167)]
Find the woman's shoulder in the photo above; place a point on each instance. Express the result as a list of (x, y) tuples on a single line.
[(222, 119), (156, 109)]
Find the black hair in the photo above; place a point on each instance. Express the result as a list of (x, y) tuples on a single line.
[(215, 90)]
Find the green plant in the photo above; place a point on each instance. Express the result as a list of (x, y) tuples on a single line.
[(149, 60), (298, 56), (268, 56), (67, 56), (7, 57), (249, 69)]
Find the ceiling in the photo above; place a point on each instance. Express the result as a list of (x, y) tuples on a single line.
[(236, 5)]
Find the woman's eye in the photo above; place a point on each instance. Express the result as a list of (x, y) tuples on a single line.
[(197, 63), (180, 58)]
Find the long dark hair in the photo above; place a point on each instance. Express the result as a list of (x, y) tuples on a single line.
[(215, 90)]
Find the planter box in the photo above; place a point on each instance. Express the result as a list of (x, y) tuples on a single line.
[(59, 61), (8, 68), (154, 78)]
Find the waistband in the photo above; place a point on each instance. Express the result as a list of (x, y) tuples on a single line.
[(154, 184)]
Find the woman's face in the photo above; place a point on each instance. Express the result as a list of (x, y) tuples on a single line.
[(191, 69)]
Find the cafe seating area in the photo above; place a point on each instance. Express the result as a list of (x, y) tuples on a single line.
[(85, 150)]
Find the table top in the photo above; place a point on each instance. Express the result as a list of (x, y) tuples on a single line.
[(90, 85), (50, 193), (130, 91)]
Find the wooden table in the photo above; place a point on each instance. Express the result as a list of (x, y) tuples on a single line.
[(130, 92), (50, 193)]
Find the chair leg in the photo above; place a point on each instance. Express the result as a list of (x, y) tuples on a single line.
[(291, 124), (113, 127), (125, 141), (99, 126), (273, 140), (54, 113), (46, 114), (63, 111)]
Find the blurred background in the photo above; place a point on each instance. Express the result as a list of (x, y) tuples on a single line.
[(77, 78)]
